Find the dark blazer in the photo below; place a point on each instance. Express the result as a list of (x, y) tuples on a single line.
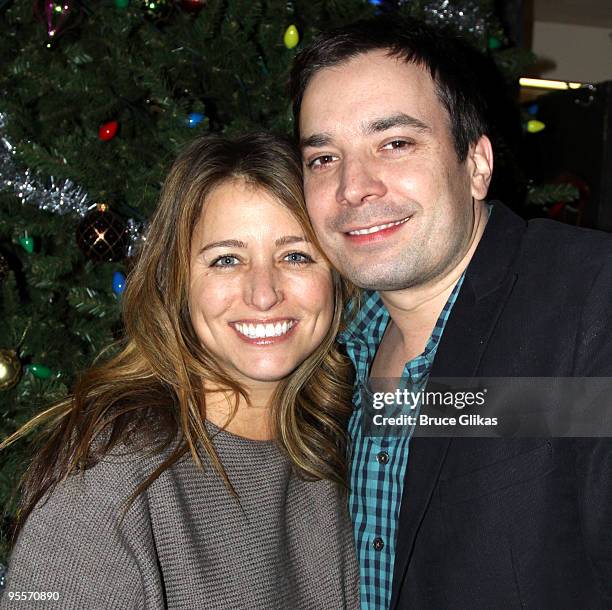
[(516, 523)]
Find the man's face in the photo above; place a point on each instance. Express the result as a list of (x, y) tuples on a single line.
[(389, 200)]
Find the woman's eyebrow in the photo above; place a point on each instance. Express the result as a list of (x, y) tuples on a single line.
[(226, 243), (290, 239), (236, 243)]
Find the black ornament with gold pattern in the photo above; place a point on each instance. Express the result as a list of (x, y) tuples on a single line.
[(102, 235)]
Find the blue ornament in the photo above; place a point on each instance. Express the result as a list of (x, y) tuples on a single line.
[(375, 2), (533, 109), (118, 282), (194, 119)]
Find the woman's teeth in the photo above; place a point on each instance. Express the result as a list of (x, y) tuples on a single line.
[(261, 331)]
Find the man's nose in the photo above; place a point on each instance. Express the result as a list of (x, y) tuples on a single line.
[(263, 287), (358, 183)]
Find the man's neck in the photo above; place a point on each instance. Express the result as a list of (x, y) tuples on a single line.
[(414, 311)]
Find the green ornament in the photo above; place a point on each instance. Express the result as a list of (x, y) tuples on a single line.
[(40, 370), (27, 243), (122, 3), (494, 43), (291, 37), (535, 126)]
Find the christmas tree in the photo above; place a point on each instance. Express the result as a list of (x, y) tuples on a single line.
[(97, 98)]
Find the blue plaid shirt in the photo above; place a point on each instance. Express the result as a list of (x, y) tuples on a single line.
[(378, 464)]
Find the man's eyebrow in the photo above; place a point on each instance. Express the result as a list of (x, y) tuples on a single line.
[(226, 243), (290, 239), (316, 140), (319, 140), (396, 120)]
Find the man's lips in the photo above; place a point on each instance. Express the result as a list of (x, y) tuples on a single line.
[(375, 232)]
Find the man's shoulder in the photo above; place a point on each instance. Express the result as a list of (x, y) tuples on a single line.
[(563, 249), (571, 240)]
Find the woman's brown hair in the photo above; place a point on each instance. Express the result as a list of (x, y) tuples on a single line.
[(151, 393)]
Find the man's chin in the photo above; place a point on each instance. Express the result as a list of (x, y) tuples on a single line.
[(381, 277)]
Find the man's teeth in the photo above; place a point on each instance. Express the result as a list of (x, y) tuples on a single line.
[(378, 227), (261, 331)]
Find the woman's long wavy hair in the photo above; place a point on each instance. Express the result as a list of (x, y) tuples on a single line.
[(151, 393)]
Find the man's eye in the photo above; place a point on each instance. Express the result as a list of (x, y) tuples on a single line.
[(225, 261), (298, 258), (397, 144), (320, 161)]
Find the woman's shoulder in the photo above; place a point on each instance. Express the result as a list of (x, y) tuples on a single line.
[(101, 489)]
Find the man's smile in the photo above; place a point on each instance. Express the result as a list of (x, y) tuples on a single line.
[(379, 227), (375, 233)]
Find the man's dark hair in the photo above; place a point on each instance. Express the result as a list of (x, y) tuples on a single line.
[(449, 60)]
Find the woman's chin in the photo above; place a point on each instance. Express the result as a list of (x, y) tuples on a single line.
[(265, 374)]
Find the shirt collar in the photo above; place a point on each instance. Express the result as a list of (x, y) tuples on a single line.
[(370, 321), (365, 332)]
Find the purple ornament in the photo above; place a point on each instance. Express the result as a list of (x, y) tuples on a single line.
[(55, 14)]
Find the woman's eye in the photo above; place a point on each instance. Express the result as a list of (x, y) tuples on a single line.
[(298, 258), (225, 261)]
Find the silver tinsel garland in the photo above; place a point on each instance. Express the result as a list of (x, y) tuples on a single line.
[(463, 16), (59, 197)]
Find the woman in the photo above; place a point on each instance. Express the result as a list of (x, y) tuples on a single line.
[(221, 420)]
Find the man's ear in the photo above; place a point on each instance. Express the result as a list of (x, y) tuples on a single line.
[(480, 157)]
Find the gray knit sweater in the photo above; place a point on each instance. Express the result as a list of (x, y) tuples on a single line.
[(186, 543)]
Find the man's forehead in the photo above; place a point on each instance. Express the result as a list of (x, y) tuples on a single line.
[(367, 73), (379, 64), (371, 92)]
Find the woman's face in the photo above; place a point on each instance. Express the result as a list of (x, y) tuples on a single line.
[(260, 295)]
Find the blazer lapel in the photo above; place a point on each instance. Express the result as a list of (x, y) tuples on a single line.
[(488, 283)]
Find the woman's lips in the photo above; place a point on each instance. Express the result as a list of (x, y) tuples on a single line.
[(269, 332)]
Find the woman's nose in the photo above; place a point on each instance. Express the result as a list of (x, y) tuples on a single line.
[(263, 290)]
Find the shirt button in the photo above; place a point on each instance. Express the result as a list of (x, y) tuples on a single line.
[(378, 544), (382, 457)]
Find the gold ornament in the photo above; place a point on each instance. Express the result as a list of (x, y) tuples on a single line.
[(10, 369)]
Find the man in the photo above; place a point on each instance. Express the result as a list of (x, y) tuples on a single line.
[(397, 164)]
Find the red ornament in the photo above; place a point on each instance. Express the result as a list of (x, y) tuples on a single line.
[(556, 209), (108, 130), (193, 7)]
